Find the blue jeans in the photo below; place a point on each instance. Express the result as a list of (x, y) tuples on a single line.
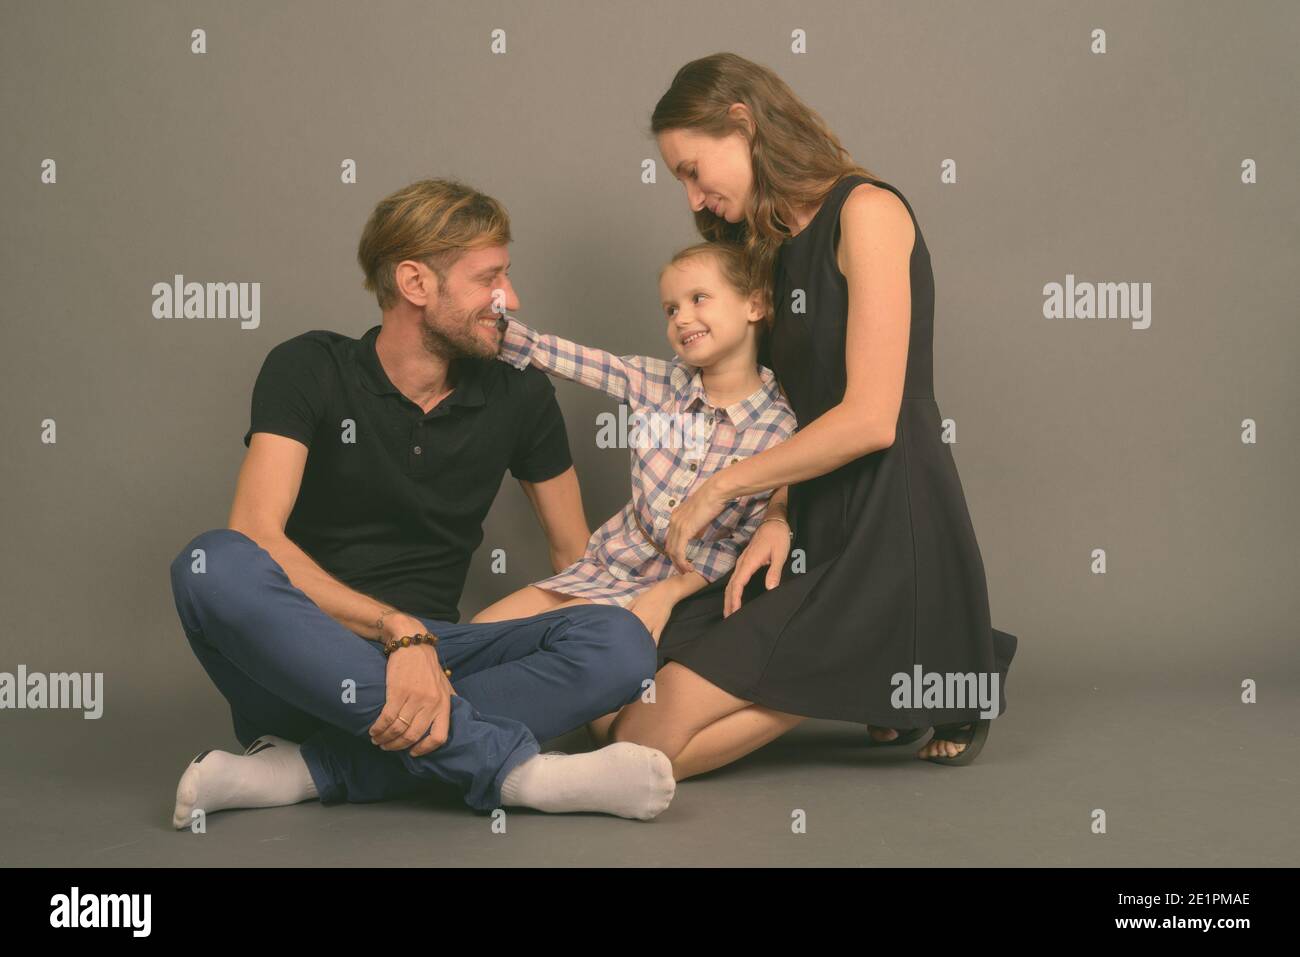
[(289, 669)]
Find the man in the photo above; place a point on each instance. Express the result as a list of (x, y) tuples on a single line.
[(326, 613)]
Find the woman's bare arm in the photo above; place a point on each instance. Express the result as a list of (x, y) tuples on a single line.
[(876, 242)]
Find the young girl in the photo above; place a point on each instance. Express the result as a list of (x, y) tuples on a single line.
[(689, 416)]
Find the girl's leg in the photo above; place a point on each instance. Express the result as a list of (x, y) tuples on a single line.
[(528, 601), (731, 738), (685, 704)]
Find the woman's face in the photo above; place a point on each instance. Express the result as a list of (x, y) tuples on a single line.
[(716, 172)]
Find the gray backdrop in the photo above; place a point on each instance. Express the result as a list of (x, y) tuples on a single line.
[(1073, 435)]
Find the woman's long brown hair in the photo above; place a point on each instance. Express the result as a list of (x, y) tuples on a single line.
[(795, 157)]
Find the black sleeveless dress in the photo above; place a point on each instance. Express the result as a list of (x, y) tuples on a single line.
[(891, 572)]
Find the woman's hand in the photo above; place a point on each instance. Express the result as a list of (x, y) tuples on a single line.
[(417, 708), (689, 519), (654, 607), (769, 546)]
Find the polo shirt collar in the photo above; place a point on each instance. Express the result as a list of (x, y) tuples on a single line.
[(469, 390), (688, 384)]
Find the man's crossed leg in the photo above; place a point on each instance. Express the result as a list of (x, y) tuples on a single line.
[(291, 673)]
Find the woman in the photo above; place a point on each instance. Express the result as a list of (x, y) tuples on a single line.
[(887, 574)]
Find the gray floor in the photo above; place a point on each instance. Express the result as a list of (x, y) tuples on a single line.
[(1185, 773)]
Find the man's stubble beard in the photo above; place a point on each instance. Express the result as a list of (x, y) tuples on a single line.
[(451, 336)]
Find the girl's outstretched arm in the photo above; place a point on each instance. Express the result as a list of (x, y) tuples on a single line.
[(637, 380)]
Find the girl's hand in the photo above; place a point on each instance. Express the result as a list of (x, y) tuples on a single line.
[(653, 607), (689, 519), (769, 546)]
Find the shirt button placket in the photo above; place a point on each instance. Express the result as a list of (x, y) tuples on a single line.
[(417, 446), (687, 476)]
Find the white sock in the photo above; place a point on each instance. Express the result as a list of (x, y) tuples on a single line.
[(626, 779), (271, 772)]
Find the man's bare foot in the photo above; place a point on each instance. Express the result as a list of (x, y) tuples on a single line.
[(882, 735)]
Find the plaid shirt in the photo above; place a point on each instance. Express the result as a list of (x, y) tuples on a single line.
[(682, 440)]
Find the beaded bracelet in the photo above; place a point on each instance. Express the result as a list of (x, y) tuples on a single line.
[(392, 644)]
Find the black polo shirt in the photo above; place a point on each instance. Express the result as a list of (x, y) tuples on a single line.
[(393, 500)]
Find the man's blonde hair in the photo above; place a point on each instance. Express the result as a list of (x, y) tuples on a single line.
[(432, 221)]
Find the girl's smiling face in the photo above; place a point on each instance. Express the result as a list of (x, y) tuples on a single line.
[(717, 173), (707, 319)]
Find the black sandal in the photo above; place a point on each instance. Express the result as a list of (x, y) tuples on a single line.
[(904, 737), (973, 734)]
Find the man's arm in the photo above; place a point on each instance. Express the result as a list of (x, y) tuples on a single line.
[(558, 504), (265, 491)]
